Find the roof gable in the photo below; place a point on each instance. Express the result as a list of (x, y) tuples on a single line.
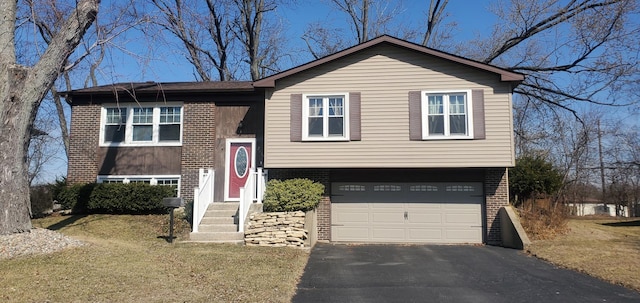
[(505, 75)]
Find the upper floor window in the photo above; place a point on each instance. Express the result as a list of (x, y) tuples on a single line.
[(325, 117), (137, 125), (446, 115)]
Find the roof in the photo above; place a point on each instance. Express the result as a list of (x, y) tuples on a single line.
[(165, 87), (505, 75)]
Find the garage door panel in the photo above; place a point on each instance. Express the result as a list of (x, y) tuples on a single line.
[(422, 218), (461, 219), (432, 234), (346, 233), (463, 235), (343, 217), (387, 218), (407, 213), (387, 234)]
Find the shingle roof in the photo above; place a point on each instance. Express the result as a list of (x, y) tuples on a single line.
[(165, 87)]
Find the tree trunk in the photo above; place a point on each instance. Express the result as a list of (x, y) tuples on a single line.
[(21, 91), (14, 183)]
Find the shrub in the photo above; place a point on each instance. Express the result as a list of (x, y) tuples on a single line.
[(115, 198), (533, 175), (75, 197), (292, 195), (41, 201), (57, 187), (188, 211), (118, 198), (544, 221)]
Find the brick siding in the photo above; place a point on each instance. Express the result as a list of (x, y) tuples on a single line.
[(198, 144), (83, 143), (497, 195)]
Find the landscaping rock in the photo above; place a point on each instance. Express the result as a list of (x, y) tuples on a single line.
[(276, 229)]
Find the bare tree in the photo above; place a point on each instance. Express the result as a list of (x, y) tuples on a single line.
[(367, 19), (570, 51), (434, 17), (260, 45), (22, 89), (222, 37), (204, 31), (46, 18)]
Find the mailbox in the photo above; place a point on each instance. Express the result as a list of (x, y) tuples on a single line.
[(172, 202)]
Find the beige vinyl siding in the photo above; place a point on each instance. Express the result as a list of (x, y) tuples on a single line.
[(384, 75)]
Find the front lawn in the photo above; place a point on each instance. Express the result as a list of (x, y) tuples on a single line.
[(127, 260), (608, 249)]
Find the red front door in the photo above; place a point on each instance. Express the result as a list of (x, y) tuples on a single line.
[(238, 167)]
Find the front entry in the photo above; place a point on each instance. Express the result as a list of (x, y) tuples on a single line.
[(239, 160)]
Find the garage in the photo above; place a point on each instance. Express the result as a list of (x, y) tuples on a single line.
[(383, 212)]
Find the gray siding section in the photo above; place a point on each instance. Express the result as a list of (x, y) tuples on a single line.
[(384, 75)]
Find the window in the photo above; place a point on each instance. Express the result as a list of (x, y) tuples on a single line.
[(115, 125), (446, 115), (325, 117), (169, 182), (142, 124), (170, 121), (173, 181), (137, 125)]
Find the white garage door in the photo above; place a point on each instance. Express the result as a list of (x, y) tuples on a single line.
[(406, 212)]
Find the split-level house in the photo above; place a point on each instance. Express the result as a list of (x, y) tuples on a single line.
[(412, 144)]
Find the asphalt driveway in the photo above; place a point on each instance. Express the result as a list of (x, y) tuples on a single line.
[(431, 273)]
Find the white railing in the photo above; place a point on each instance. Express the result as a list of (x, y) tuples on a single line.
[(202, 196), (253, 191)]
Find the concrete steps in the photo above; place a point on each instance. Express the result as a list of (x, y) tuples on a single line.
[(219, 224)]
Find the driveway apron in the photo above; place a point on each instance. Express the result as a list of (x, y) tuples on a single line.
[(432, 273)]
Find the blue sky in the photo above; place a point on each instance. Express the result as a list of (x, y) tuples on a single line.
[(166, 65)]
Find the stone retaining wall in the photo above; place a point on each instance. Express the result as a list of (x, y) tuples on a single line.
[(277, 229)]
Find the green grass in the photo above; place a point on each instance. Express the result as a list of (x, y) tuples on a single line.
[(604, 248), (127, 260)]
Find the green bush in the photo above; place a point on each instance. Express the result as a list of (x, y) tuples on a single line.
[(292, 195), (75, 197), (115, 198), (118, 198), (41, 201), (57, 187), (188, 211)]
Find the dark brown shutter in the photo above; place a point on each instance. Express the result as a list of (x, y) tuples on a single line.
[(354, 117), (295, 128), (477, 96), (415, 115)]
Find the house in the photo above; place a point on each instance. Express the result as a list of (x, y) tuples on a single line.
[(412, 144), (595, 207)]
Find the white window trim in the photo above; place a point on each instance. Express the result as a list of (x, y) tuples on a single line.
[(128, 141), (424, 109), (325, 124), (127, 178)]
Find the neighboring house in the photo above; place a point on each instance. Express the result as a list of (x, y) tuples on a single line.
[(411, 143), (595, 207)]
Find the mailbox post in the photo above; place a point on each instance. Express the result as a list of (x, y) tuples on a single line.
[(172, 203)]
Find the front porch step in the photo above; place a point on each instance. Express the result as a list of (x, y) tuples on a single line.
[(218, 228), (218, 237), (219, 224), (219, 220)]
